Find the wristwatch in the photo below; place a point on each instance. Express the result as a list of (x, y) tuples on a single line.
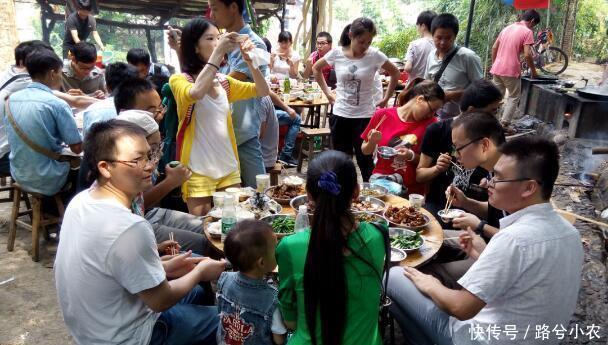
[(479, 228)]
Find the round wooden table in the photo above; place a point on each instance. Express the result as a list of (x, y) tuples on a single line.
[(314, 113), (433, 235)]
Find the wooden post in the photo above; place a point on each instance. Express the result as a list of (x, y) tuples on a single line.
[(313, 25), (151, 46), (46, 33)]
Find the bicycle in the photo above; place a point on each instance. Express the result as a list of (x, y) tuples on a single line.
[(547, 58)]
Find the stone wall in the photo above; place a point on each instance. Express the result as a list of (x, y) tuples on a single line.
[(8, 33)]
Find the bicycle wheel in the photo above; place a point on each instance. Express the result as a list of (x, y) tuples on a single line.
[(553, 61)]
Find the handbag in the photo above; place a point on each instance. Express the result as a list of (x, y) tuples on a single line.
[(66, 156)]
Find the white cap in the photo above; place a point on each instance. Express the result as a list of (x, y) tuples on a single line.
[(142, 118)]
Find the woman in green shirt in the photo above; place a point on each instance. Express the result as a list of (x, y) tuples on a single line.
[(330, 275)]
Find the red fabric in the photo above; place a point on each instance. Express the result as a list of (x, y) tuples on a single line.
[(392, 127), (530, 4), (283, 129)]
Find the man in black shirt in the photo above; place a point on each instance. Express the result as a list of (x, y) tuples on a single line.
[(78, 26), (435, 166)]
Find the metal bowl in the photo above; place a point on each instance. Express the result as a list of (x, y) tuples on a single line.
[(380, 205), (300, 200), (399, 231), (386, 152), (397, 255), (407, 226), (373, 216), (378, 191), (270, 219)]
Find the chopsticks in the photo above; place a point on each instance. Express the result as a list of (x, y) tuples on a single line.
[(457, 166), (171, 238), (448, 203), (379, 123), (457, 237)]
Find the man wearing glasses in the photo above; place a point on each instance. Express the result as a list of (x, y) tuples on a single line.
[(528, 275), (324, 45), (81, 76), (112, 286)]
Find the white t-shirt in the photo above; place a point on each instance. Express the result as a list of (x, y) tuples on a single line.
[(106, 255), (212, 154), (528, 275), (21, 81), (417, 53), (355, 88), (280, 67)]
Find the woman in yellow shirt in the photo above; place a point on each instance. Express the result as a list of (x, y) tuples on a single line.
[(205, 136)]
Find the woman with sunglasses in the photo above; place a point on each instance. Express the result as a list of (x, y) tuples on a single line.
[(205, 138), (403, 128)]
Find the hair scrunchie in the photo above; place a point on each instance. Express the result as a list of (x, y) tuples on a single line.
[(328, 182)]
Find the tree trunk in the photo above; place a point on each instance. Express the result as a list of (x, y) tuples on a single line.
[(8, 32), (567, 41)]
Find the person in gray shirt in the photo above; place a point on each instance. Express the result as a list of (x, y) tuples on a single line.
[(418, 50), (462, 70)]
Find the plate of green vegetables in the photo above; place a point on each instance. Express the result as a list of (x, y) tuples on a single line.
[(405, 239)]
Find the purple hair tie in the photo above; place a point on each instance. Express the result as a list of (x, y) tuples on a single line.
[(328, 182)]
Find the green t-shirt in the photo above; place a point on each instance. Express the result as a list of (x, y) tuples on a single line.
[(363, 284)]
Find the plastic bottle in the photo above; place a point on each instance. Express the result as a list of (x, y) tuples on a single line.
[(301, 219), (286, 85), (228, 215)]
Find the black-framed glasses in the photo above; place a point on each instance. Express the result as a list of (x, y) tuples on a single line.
[(493, 181), (458, 149), (322, 43)]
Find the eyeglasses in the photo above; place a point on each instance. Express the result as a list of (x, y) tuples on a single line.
[(140, 163), (458, 149), (493, 181), (322, 43), (160, 111)]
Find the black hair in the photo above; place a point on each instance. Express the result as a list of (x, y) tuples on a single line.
[(426, 18), (84, 5), (325, 287), (239, 3), (192, 32), (137, 56), (126, 93), (531, 16), (246, 243), (537, 158), (417, 87), (84, 52), (285, 36), (117, 72), (40, 62), (445, 21), (268, 44), (326, 35), (100, 141), (357, 28), (23, 49), (479, 124), (479, 94)]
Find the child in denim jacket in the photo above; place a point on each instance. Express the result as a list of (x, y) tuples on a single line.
[(247, 303)]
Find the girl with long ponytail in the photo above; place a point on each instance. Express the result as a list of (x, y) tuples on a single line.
[(330, 275)]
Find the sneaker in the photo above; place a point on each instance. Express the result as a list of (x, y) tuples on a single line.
[(288, 161)]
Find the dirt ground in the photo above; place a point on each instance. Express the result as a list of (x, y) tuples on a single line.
[(29, 312)]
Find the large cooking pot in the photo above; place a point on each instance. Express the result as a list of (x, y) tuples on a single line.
[(593, 92)]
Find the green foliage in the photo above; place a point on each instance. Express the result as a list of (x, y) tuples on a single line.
[(591, 38), (395, 44)]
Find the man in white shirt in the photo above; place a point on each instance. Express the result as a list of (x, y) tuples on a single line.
[(112, 286), (527, 276)]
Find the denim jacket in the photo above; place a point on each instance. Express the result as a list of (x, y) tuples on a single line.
[(246, 306)]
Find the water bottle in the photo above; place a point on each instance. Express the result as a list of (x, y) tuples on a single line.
[(228, 215), (286, 86), (301, 219)]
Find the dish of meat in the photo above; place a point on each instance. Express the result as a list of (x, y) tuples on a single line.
[(407, 217)]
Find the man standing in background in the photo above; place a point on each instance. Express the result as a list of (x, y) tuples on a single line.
[(506, 66), (418, 50), (78, 26)]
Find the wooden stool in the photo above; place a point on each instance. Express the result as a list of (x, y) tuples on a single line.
[(308, 139), (39, 220), (274, 173)]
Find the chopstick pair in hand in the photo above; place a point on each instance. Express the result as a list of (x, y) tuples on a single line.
[(169, 247)]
